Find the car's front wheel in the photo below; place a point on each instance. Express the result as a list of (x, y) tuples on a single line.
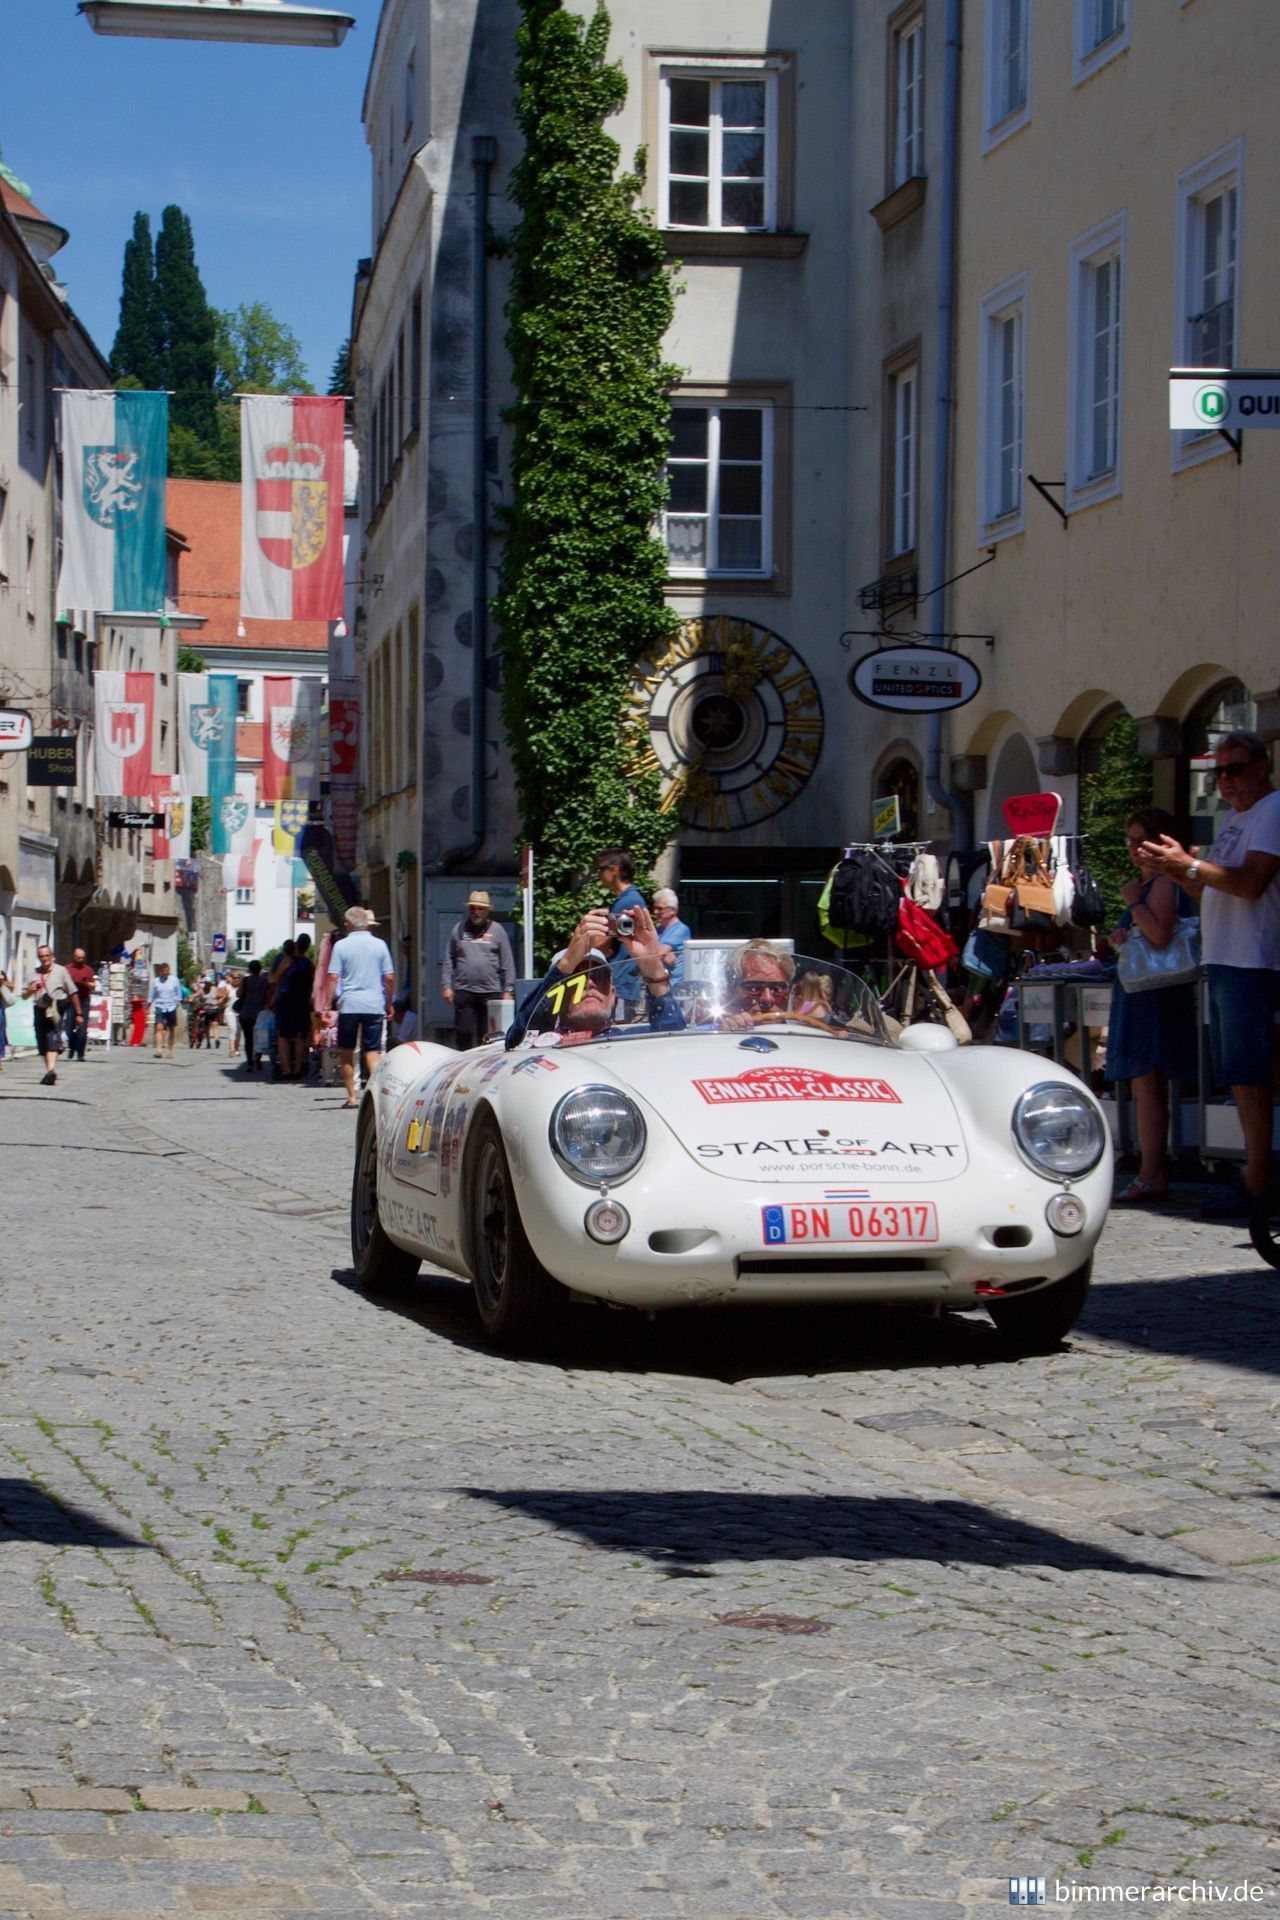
[(516, 1298), (380, 1264), (1038, 1322)]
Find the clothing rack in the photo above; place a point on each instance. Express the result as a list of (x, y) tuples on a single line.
[(885, 846)]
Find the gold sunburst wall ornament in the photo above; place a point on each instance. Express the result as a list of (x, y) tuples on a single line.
[(731, 717)]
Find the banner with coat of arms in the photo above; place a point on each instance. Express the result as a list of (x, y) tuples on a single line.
[(291, 713), (233, 817), (207, 733), (115, 455), (292, 464), (172, 841), (123, 722)]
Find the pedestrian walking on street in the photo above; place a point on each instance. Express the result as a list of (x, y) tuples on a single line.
[(293, 1011), (235, 982), (165, 999), (84, 979), (672, 933), (50, 986), (362, 981), (1238, 883), (478, 967), (253, 998), (1151, 1036), (616, 870), (139, 982)]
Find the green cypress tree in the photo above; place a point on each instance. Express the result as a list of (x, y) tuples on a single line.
[(133, 354), (582, 577), (188, 330)]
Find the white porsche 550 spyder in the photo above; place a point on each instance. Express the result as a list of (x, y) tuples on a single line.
[(749, 1140)]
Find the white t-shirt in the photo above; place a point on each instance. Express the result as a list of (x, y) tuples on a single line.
[(1238, 932)]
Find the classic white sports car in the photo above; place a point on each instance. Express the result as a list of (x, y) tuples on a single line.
[(750, 1139)]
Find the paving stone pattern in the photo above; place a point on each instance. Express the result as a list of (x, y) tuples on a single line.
[(310, 1604)]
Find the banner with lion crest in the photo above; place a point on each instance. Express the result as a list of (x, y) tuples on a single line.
[(115, 453)]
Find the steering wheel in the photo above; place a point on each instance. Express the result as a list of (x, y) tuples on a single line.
[(795, 1019)]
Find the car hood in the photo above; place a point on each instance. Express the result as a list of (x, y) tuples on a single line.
[(814, 1111)]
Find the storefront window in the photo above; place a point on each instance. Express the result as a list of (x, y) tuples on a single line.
[(1229, 708)]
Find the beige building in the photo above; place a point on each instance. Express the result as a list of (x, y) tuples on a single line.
[(1119, 215)]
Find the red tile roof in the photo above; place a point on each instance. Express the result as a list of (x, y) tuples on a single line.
[(207, 515)]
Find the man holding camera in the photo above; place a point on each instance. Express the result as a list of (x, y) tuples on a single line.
[(616, 870)]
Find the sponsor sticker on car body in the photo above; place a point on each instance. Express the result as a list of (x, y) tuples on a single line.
[(842, 1219), (793, 1083)]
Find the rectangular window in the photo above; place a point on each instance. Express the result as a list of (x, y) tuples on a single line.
[(1207, 319), (400, 391), (410, 93), (1101, 32), (719, 479), (1002, 389), (1008, 66), (244, 939), (244, 896), (1095, 373), (908, 101), (904, 464), (415, 361), (242, 699), (411, 704), (719, 150)]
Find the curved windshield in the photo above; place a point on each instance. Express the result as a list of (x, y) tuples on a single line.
[(734, 989)]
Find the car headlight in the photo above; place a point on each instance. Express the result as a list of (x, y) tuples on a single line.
[(597, 1134), (1059, 1129)]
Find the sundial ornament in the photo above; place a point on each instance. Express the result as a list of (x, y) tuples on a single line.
[(733, 720)]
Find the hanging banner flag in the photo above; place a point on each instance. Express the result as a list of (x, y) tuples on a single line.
[(233, 817), (291, 525), (123, 712), (291, 709), (172, 841), (344, 766), (115, 453), (290, 819), (246, 865), (207, 734)]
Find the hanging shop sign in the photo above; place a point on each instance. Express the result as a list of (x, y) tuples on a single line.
[(886, 817), (910, 679), (15, 730), (134, 821), (1032, 813), (1202, 399), (51, 760)]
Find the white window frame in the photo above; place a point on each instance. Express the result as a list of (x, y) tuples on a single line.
[(714, 407), (904, 459), (1091, 53), (245, 940), (719, 71), (908, 100), (1100, 246), (1220, 171), (998, 121), (244, 896), (1005, 302)]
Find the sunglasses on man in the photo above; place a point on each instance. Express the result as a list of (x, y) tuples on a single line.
[(1231, 769)]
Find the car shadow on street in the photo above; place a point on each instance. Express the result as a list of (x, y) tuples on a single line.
[(1228, 1317), (28, 1513), (681, 1530)]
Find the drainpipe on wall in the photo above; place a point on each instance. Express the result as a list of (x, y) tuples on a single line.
[(484, 151), (940, 515)]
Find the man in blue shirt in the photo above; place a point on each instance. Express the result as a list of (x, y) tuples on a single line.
[(672, 933), (362, 979), (616, 870), (165, 998)]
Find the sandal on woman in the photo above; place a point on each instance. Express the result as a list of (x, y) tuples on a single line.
[(1144, 1190)]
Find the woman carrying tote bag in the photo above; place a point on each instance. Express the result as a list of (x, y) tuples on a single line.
[(1151, 1036)]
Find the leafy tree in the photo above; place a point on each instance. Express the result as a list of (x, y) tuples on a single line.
[(258, 354), (134, 359), (187, 329), (582, 577), (1108, 798)]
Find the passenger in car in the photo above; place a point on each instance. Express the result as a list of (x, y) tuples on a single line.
[(576, 998)]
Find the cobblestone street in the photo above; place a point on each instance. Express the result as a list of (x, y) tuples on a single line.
[(313, 1605)]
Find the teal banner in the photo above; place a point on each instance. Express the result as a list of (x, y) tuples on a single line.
[(142, 447)]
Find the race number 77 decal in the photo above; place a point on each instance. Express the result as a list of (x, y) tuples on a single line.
[(575, 986)]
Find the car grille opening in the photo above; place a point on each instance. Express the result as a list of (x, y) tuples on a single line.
[(758, 1263), (1011, 1236)]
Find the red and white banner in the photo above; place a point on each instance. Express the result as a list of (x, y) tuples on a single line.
[(123, 721), (247, 864), (172, 841), (344, 767), (291, 519), (291, 718)]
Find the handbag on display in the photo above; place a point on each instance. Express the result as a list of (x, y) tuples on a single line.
[(1088, 909), (1140, 966)]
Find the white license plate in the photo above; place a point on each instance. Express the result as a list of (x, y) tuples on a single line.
[(842, 1222)]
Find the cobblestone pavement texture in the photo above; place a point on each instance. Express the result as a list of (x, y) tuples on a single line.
[(312, 1605)]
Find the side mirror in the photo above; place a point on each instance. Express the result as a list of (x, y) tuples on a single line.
[(927, 1039)]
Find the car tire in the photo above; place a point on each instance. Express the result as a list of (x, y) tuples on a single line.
[(1264, 1224), (1038, 1322), (517, 1300), (381, 1266)]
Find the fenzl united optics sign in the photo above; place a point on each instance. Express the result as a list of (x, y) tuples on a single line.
[(1202, 399), (909, 679)]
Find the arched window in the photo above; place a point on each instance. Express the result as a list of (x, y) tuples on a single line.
[(902, 777)]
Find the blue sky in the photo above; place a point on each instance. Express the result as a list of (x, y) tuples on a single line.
[(262, 146)]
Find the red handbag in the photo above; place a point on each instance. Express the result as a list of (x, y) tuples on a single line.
[(919, 937)]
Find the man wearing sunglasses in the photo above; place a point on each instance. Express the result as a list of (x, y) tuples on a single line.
[(1239, 886), (578, 997)]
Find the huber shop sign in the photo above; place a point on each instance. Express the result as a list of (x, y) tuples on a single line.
[(911, 679), (1204, 398)]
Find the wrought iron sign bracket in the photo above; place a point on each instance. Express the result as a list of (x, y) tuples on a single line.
[(1042, 488)]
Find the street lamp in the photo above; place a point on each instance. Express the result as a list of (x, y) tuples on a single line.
[(264, 22)]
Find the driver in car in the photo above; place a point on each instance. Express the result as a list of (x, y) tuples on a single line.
[(758, 979), (576, 999)]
